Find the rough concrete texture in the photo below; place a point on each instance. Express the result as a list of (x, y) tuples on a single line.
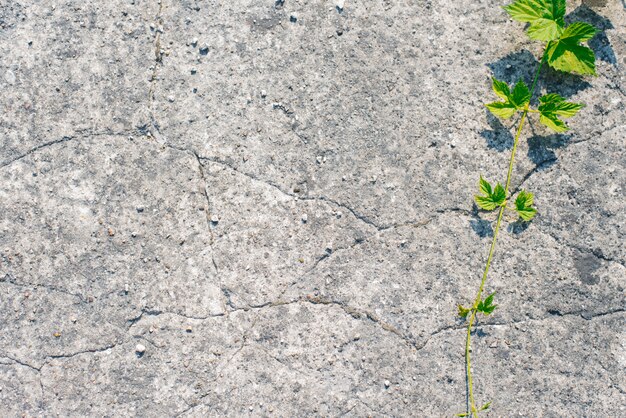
[(272, 202)]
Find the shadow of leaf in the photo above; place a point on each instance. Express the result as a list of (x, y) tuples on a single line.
[(518, 227), (522, 66), (482, 227), (541, 148), (499, 137), (600, 43)]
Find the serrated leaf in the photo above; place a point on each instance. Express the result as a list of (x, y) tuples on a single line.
[(489, 299), (553, 122), (500, 88), (492, 197), (521, 95), (501, 109), (544, 30), (486, 306), (579, 32), (487, 310), (552, 106), (523, 205), (463, 312), (513, 101), (485, 187), (545, 17), (498, 194), (485, 406), (566, 53)]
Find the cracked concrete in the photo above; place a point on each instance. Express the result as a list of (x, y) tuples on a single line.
[(274, 198)]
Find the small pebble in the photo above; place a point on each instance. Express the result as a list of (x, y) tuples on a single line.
[(204, 49), (340, 5), (215, 219), (140, 349), (263, 94), (194, 42), (305, 218), (387, 383), (293, 18)]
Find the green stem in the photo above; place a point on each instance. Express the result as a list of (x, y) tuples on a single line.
[(471, 407)]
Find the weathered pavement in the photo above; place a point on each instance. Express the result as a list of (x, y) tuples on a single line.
[(275, 200)]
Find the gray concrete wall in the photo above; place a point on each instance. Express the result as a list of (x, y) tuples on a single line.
[(260, 208)]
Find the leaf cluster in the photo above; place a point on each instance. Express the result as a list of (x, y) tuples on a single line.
[(514, 100), (523, 205), (485, 306), (564, 51), (551, 108), (492, 197)]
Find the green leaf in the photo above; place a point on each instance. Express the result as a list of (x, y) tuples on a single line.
[(484, 186), (552, 106), (498, 194), (579, 32), (523, 205), (501, 109), (567, 54), (487, 305), (492, 197), (489, 299), (500, 88), (485, 406), (463, 312), (463, 414), (544, 30), (521, 95), (513, 101), (553, 122), (545, 17)]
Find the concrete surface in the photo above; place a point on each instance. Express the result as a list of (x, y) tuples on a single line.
[(264, 208)]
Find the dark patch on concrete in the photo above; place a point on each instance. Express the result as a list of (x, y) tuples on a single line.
[(586, 265)]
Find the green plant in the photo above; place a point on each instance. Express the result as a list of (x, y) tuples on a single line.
[(563, 51)]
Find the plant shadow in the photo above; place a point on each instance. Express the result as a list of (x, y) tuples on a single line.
[(521, 65), (600, 43), (499, 137), (482, 227), (541, 149)]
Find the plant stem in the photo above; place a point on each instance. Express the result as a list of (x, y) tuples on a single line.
[(471, 407)]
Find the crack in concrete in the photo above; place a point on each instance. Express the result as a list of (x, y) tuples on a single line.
[(581, 314), (555, 160), (357, 215), (595, 252), (158, 62), (8, 278), (208, 209), (60, 356), (85, 133)]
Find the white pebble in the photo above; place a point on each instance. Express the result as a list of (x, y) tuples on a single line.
[(387, 383), (140, 348)]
